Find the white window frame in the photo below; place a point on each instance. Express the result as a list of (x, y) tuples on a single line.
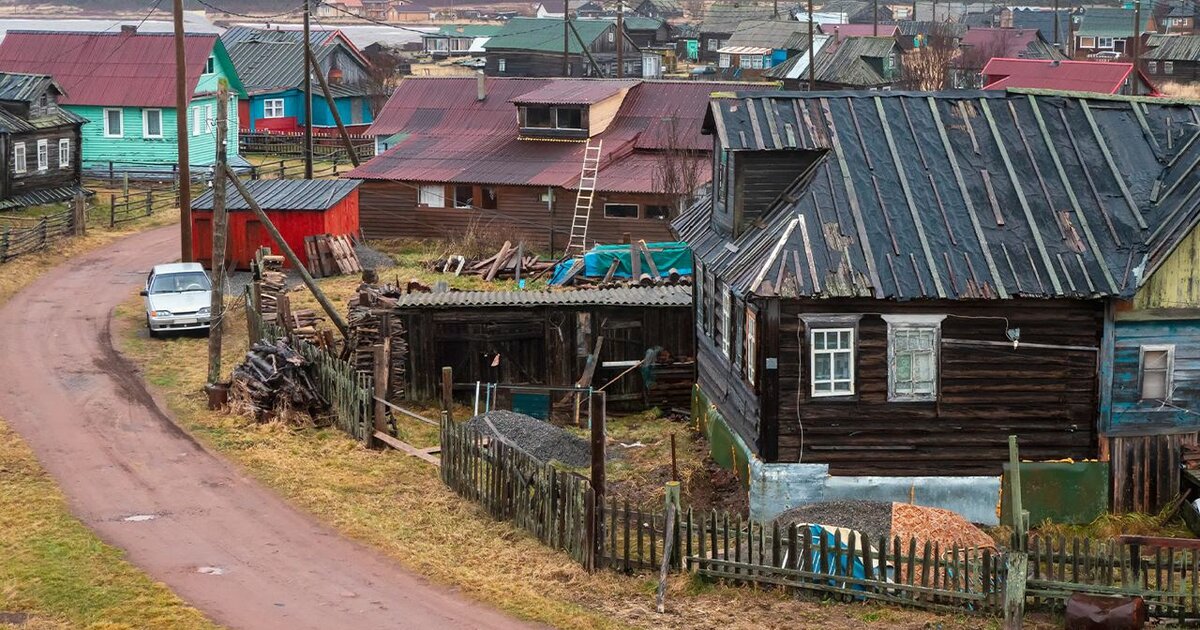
[(713, 43), (500, 65), (274, 108), (637, 208), (1087, 42), (931, 323), (210, 65), (744, 61), (210, 119), (431, 195), (1100, 43), (1152, 67), (612, 36), (750, 353), (724, 60), (20, 165), (43, 155), (835, 329), (108, 131), (726, 320), (1169, 383), (197, 121), (64, 153), (1168, 67), (146, 123)]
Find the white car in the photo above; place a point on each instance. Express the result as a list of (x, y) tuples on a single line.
[(178, 297)]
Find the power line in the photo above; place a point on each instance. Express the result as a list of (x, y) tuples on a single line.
[(291, 11)]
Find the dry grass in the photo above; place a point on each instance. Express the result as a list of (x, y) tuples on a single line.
[(1181, 90), (51, 566)]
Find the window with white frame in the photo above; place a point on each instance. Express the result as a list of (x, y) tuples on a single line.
[(913, 343), (1087, 42), (197, 121), (699, 293), (210, 66), (500, 65), (210, 119), (713, 43), (832, 361), (273, 108), (751, 342), (1104, 42), (724, 60), (1152, 67), (756, 62), (1156, 367), (43, 154), (19, 165), (1168, 67), (114, 123), (612, 37), (744, 61), (152, 123), (64, 153), (726, 318), (432, 195)]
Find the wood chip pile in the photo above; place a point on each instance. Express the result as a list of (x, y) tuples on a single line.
[(370, 321), (273, 381), (330, 255)]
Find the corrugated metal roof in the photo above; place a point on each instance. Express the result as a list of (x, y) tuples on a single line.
[(24, 87), (726, 18), (744, 50), (284, 194), (447, 135), (664, 296), (270, 59), (843, 63), (1103, 77), (115, 69), (546, 34), (773, 34), (1111, 22), (960, 195), (912, 28), (575, 92), (1176, 48), (860, 30)]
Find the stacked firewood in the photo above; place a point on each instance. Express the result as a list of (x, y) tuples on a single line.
[(1191, 456), (510, 262), (270, 288), (370, 320), (273, 381)]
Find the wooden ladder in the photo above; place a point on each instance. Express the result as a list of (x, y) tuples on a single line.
[(583, 199)]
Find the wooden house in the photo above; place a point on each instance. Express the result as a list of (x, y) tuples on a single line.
[(39, 142), (978, 46), (659, 8), (545, 338), (270, 64), (876, 312), (843, 63), (533, 47), (1107, 33), (453, 40), (299, 208), (1180, 19), (721, 21), (505, 155), (123, 84), (1173, 59), (760, 45), (647, 32)]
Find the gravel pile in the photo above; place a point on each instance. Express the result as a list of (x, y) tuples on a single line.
[(541, 440), (369, 258), (872, 518)]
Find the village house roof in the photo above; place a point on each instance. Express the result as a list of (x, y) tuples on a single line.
[(445, 134), (663, 6), (1014, 43), (308, 195), (842, 62), (959, 195), (776, 34), (638, 23), (1043, 21), (15, 86), (1103, 77), (465, 30), (726, 18), (912, 28), (546, 35), (1110, 22), (575, 92), (1176, 48), (676, 296), (860, 30), (109, 69), (269, 59)]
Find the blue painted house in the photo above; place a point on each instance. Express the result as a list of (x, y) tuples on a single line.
[(270, 63), (123, 83)]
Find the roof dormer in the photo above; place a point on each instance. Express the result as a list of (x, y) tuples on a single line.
[(570, 109)]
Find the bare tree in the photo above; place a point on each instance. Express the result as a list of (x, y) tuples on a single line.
[(972, 59), (928, 67), (383, 72), (677, 173)]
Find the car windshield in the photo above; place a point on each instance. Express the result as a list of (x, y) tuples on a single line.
[(180, 282)]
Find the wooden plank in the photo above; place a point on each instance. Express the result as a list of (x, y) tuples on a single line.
[(407, 448), (864, 241), (641, 245), (501, 258), (1112, 166)]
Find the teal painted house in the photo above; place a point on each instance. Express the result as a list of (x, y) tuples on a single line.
[(124, 84)]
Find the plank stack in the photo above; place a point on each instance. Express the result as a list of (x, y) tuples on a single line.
[(370, 321), (509, 262), (330, 255), (273, 382)]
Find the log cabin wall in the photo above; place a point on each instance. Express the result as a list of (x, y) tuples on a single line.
[(1047, 397), (389, 209)]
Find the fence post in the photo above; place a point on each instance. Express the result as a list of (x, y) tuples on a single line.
[(380, 354), (447, 392), (112, 211), (4, 245), (149, 202), (111, 174), (1015, 565), (282, 171), (42, 232), (80, 214)]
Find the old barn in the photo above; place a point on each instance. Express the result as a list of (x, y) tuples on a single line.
[(298, 208)]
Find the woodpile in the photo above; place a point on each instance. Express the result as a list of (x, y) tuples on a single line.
[(273, 381), (673, 380), (510, 262), (330, 255), (1190, 456), (371, 324)]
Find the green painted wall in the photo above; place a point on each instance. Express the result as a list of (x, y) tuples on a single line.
[(726, 451), (1061, 492)]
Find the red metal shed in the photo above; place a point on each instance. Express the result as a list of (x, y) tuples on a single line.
[(297, 207)]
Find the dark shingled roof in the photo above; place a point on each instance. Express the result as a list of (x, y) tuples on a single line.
[(658, 296), (777, 34), (726, 18), (284, 194), (1176, 48), (959, 195), (16, 86)]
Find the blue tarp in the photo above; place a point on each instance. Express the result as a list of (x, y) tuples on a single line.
[(667, 256)]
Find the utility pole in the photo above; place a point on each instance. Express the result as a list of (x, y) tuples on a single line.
[(1137, 35), (812, 66), (185, 171), (566, 69), (308, 108), (1057, 43), (219, 227), (620, 40), (875, 18)]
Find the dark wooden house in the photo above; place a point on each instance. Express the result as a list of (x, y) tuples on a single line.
[(877, 311), (533, 47), (659, 8), (39, 142), (545, 338), (1173, 59), (722, 21)]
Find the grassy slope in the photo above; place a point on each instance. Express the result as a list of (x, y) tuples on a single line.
[(397, 504), (51, 566)]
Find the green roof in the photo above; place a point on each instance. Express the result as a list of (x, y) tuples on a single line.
[(640, 23), (1115, 23), (469, 30), (546, 34)]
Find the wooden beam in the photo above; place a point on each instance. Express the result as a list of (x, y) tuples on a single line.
[(408, 449), (337, 116)]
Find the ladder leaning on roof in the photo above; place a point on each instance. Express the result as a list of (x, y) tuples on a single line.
[(583, 199)]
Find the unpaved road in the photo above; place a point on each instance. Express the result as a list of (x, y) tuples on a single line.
[(225, 544)]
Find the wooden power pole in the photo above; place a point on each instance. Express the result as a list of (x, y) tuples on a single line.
[(620, 40), (1137, 35), (812, 66), (308, 108), (181, 130), (219, 227), (566, 69)]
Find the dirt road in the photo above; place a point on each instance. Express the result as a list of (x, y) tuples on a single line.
[(226, 545)]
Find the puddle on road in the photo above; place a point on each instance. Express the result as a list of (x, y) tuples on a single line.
[(210, 570), (138, 518)]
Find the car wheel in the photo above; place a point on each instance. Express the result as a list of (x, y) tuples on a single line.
[(153, 333)]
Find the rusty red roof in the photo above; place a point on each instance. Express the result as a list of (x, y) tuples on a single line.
[(575, 92), (441, 132), (113, 69), (1103, 77)]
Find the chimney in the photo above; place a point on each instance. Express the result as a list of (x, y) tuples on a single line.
[(837, 35), (129, 29), (480, 87)]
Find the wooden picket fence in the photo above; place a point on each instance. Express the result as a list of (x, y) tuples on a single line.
[(21, 235), (140, 204), (325, 147)]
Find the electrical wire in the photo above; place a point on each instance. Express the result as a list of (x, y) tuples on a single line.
[(62, 54), (291, 11)]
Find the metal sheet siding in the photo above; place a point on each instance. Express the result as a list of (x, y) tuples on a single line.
[(660, 296)]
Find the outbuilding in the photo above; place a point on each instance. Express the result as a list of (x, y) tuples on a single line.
[(298, 208)]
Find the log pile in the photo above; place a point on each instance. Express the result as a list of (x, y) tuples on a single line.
[(510, 262), (370, 322), (273, 381)]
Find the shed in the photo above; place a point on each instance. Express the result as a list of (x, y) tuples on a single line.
[(545, 337), (298, 208)]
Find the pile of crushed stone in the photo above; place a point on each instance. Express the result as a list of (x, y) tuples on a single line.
[(871, 518), (541, 440)]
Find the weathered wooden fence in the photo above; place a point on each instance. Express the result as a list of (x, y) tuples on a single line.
[(325, 147), (22, 235), (294, 169), (140, 204)]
